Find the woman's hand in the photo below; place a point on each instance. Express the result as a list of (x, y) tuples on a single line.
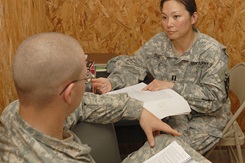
[(157, 85), (102, 85)]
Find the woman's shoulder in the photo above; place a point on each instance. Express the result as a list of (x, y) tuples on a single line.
[(160, 35), (159, 38), (209, 48), (209, 42)]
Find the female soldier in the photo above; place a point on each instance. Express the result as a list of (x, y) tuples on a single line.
[(187, 61)]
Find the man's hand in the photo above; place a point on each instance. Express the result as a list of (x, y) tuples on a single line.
[(157, 85), (102, 85), (153, 125)]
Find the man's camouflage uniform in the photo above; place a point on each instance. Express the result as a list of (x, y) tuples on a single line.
[(200, 76), (19, 142)]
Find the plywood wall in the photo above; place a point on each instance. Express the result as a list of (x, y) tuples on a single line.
[(18, 20), (109, 26), (123, 26)]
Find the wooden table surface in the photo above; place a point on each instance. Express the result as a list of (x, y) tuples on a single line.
[(100, 58)]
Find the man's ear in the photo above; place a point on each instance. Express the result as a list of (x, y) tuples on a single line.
[(68, 92), (194, 18)]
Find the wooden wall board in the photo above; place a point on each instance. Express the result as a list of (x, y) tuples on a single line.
[(123, 26), (18, 20)]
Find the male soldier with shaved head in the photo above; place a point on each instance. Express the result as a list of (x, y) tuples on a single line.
[(49, 72)]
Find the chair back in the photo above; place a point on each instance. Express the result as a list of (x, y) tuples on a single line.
[(102, 140), (237, 81), (237, 86)]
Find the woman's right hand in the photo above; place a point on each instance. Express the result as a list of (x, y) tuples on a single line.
[(102, 85)]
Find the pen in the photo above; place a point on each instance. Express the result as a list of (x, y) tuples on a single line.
[(173, 77)]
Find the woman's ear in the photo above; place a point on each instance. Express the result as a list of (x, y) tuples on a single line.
[(194, 18), (68, 93)]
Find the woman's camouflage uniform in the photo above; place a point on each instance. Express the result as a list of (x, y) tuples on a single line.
[(200, 76)]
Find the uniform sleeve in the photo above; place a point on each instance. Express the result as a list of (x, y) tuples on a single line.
[(131, 70), (105, 109), (128, 71), (210, 93)]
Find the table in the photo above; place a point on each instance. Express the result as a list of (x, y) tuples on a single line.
[(100, 58)]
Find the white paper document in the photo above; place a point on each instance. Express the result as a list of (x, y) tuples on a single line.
[(161, 103), (173, 153)]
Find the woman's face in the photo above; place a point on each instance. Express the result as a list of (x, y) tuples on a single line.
[(176, 20)]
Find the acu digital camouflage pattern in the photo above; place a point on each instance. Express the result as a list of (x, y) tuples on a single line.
[(20, 143), (200, 77)]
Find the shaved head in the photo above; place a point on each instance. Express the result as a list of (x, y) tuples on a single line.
[(43, 62)]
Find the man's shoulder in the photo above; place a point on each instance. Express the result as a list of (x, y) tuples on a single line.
[(10, 110), (8, 114)]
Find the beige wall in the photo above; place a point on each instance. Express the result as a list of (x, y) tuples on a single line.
[(109, 27), (123, 26), (18, 20)]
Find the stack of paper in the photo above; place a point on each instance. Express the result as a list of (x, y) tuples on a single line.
[(173, 153), (161, 103)]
